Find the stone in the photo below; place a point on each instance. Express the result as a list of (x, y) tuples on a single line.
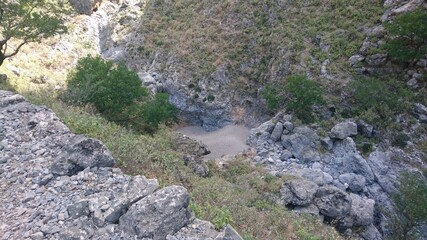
[(159, 214), (298, 192), (303, 144), (371, 233), (277, 132), (355, 59), (361, 212), (82, 152), (376, 60), (356, 183), (285, 155), (79, 209), (332, 202), (229, 234), (365, 129), (343, 130), (314, 175), (197, 165)]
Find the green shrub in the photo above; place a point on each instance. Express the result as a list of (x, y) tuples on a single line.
[(116, 92), (400, 140), (411, 205), (408, 40), (273, 96), (110, 88), (377, 101), (304, 93)]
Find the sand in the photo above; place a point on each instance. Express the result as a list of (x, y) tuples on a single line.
[(229, 140)]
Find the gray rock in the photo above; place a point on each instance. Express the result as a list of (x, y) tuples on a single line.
[(82, 152), (84, 6), (356, 183), (197, 165), (285, 155), (343, 130), (314, 175), (376, 60), (229, 234), (327, 143), (371, 233), (303, 144), (298, 192), (159, 214), (361, 213), (79, 209), (196, 230), (288, 126), (311, 209), (332, 202), (355, 59), (277, 132), (364, 128), (380, 163)]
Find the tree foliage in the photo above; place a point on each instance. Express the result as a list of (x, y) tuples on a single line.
[(411, 206), (116, 92), (298, 93), (25, 21), (408, 33)]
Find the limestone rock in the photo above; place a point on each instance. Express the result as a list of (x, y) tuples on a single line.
[(343, 130), (159, 214), (277, 132), (303, 144), (298, 192), (80, 153), (356, 183), (332, 202)]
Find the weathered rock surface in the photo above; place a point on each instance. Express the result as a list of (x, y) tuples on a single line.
[(348, 188), (57, 185), (298, 192)]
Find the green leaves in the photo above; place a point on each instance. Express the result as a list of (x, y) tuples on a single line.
[(298, 93), (408, 36), (116, 92), (29, 21)]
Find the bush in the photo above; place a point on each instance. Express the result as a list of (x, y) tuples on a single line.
[(116, 92), (304, 94), (411, 205), (110, 88), (299, 93), (377, 100), (408, 40)]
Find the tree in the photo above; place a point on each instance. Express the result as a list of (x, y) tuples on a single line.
[(408, 33), (25, 21)]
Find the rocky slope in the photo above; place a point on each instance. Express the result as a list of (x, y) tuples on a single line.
[(334, 180), (57, 185)]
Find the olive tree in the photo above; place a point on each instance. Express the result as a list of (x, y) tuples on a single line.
[(25, 21)]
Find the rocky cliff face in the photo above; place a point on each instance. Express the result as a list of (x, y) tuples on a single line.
[(334, 181), (58, 185)]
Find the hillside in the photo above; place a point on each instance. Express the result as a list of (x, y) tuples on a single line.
[(336, 119)]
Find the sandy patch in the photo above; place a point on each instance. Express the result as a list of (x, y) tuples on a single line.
[(229, 140)]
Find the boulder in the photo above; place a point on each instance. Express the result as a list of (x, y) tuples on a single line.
[(371, 233), (364, 128), (332, 202), (185, 144), (159, 214), (277, 132), (303, 144), (81, 152), (356, 183), (298, 192), (355, 59), (314, 175), (343, 130), (361, 212), (376, 60), (197, 165)]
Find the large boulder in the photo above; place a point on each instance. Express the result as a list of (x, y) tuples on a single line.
[(159, 214), (332, 202), (298, 192), (343, 130), (303, 144), (355, 182), (81, 152), (361, 212), (277, 132), (85, 6)]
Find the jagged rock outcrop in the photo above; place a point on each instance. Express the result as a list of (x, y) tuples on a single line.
[(58, 185), (333, 180)]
